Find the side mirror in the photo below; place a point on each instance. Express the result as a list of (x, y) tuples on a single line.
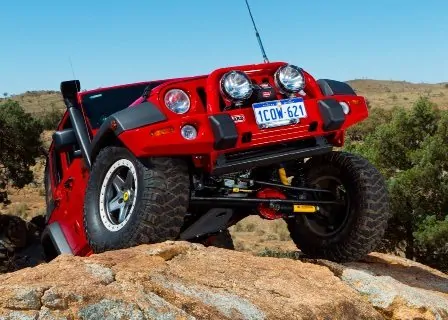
[(64, 138), (69, 90)]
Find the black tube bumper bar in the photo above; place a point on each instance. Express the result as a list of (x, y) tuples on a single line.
[(233, 162)]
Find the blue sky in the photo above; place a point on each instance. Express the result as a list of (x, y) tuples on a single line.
[(114, 42)]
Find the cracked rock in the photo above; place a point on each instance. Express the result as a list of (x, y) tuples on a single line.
[(178, 280), (23, 298), (103, 274), (397, 287)]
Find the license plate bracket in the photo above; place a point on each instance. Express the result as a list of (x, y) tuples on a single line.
[(277, 113)]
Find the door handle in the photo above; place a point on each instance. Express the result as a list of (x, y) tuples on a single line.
[(68, 183)]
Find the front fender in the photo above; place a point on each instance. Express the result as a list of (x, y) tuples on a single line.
[(133, 117)]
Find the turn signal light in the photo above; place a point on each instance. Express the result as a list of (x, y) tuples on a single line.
[(161, 132)]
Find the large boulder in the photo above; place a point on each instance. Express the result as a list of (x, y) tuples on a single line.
[(178, 280), (397, 287)]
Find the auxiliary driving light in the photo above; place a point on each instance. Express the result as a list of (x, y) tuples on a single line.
[(177, 101), (236, 85), (345, 107), (289, 79), (189, 132)]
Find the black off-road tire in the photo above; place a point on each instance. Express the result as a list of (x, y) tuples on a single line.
[(367, 217), (221, 240), (162, 201)]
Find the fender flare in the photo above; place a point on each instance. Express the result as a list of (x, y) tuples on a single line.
[(134, 117), (333, 88)]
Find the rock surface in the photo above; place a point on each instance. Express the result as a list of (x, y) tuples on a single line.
[(180, 280), (397, 287)]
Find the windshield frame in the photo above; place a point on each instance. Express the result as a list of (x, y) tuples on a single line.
[(96, 111)]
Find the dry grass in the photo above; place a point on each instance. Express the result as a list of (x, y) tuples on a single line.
[(18, 209), (38, 102), (256, 235), (387, 94)]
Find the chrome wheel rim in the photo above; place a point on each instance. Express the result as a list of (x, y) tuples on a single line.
[(118, 195)]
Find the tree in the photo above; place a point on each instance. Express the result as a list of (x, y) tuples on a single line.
[(5, 94), (51, 119), (377, 116), (20, 144), (411, 150)]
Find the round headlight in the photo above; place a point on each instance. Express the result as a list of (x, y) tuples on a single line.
[(236, 85), (345, 107), (177, 101), (290, 78)]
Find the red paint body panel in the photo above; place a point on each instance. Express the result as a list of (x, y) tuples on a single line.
[(138, 140), (69, 212), (143, 142)]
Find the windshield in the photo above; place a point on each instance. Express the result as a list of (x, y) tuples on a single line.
[(99, 106)]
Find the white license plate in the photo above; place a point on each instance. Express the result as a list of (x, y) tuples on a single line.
[(279, 112)]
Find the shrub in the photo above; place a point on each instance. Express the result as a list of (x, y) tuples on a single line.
[(411, 150), (361, 130), (51, 119), (19, 145)]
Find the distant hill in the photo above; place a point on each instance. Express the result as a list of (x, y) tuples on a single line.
[(380, 93), (387, 94), (39, 101)]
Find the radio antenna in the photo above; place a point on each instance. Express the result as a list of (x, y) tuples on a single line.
[(73, 70), (266, 60)]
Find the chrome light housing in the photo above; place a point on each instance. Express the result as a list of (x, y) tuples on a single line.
[(289, 79), (177, 101), (345, 107), (236, 85), (189, 132)]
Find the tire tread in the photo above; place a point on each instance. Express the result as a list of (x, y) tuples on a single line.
[(163, 202), (372, 211)]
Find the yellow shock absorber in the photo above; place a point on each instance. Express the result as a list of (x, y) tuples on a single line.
[(298, 208), (283, 178)]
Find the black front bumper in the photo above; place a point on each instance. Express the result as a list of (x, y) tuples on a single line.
[(233, 162)]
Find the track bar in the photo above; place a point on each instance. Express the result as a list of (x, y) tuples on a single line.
[(256, 200), (278, 185)]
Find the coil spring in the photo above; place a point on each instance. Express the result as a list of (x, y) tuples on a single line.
[(301, 178)]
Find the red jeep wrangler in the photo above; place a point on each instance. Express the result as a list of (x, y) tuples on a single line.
[(185, 159)]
